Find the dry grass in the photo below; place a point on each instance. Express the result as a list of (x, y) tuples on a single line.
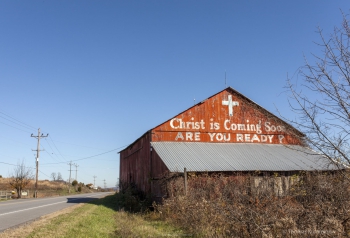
[(147, 225), (4, 184), (46, 188)]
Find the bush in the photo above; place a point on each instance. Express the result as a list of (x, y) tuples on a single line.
[(222, 206), (74, 183), (79, 189), (132, 200)]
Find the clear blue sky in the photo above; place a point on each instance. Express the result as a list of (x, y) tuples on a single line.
[(96, 75)]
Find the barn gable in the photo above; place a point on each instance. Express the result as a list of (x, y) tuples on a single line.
[(227, 117)]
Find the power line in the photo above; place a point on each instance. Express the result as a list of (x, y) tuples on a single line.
[(16, 165), (15, 122), (8, 139), (44, 174), (78, 145), (92, 155), (53, 151), (96, 155), (57, 148), (29, 126), (50, 154), (113, 168), (14, 127)]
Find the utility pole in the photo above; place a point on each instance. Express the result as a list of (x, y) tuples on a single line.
[(70, 175), (104, 183), (37, 160), (94, 181), (76, 171)]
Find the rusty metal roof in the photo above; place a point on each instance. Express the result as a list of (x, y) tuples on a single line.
[(201, 157)]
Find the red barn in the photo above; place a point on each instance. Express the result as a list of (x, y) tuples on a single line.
[(227, 132)]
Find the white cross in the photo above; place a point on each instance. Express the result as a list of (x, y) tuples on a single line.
[(230, 104)]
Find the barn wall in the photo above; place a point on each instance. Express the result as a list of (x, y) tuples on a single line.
[(141, 166), (135, 164)]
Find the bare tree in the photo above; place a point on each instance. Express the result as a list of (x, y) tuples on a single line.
[(21, 177), (59, 176), (322, 96), (53, 176)]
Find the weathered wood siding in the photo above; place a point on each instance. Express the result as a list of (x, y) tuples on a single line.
[(139, 165), (214, 121)]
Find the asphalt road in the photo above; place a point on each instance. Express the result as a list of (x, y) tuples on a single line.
[(18, 211)]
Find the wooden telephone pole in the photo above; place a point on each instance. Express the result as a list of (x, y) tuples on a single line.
[(37, 160), (70, 176), (94, 181)]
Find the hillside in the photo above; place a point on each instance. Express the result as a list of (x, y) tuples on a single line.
[(46, 188)]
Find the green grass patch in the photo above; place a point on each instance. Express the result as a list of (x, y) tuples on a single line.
[(90, 220), (102, 218)]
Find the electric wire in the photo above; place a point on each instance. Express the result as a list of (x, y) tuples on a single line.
[(49, 154), (78, 145), (16, 165), (15, 127), (57, 149), (89, 157), (25, 167), (44, 173), (17, 121), (52, 151)]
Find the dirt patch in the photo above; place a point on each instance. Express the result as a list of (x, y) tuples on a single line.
[(25, 229)]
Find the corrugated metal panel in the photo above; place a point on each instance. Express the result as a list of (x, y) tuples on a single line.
[(196, 156)]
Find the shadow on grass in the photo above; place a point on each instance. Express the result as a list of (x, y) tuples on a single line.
[(109, 201), (122, 201), (117, 202), (80, 200)]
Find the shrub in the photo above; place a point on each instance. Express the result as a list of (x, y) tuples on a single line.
[(132, 200), (231, 206)]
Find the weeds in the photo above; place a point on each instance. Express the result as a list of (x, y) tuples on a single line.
[(316, 205)]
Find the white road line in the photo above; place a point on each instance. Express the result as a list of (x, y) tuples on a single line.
[(9, 203), (27, 201), (39, 206)]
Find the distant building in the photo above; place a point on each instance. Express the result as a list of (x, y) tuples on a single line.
[(227, 133)]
